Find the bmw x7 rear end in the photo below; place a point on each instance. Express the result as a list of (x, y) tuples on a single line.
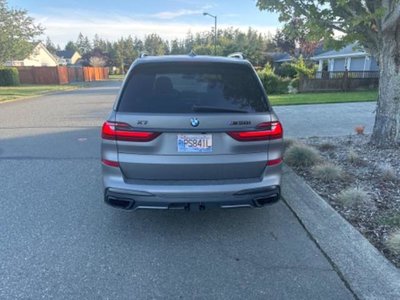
[(191, 132)]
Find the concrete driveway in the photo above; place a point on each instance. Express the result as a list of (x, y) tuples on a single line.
[(58, 240)]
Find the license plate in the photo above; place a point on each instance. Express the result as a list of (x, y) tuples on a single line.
[(194, 143)]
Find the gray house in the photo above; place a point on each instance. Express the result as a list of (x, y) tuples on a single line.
[(350, 58)]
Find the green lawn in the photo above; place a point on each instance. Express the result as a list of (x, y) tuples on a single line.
[(24, 91), (117, 77), (320, 98)]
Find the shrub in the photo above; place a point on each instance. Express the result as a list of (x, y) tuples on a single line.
[(393, 242), (354, 158), (288, 142), (388, 173), (303, 69), (273, 84), (354, 197), (327, 172), (295, 83), (9, 77), (269, 81), (300, 155), (286, 70), (393, 220)]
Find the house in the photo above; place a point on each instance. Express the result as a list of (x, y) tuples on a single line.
[(350, 58), (68, 57), (39, 57)]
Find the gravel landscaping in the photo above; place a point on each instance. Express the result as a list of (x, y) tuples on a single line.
[(358, 180)]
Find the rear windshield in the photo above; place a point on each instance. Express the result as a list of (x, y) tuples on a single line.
[(192, 87)]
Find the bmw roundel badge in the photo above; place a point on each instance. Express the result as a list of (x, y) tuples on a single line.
[(194, 122)]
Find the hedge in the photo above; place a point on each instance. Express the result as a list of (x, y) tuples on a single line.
[(9, 77), (286, 70), (274, 84)]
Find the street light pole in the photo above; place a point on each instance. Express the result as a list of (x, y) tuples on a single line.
[(215, 30)]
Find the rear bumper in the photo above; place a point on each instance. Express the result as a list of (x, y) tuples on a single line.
[(133, 200)]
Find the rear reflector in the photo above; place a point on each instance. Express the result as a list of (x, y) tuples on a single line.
[(274, 162), (265, 131), (124, 132), (110, 163)]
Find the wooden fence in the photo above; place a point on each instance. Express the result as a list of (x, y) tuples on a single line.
[(60, 74), (340, 81), (346, 74)]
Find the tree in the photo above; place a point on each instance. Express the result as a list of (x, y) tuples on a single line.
[(97, 61), (70, 46), (17, 33), (374, 24), (155, 45), (50, 46), (83, 44), (284, 43)]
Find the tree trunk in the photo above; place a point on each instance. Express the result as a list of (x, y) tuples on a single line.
[(386, 131)]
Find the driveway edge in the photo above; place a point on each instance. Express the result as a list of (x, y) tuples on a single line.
[(368, 274)]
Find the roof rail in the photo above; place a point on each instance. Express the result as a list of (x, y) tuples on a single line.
[(143, 54), (238, 55), (192, 53)]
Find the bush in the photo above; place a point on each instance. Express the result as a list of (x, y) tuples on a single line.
[(272, 83), (327, 172), (286, 70), (300, 155), (387, 172), (354, 197), (9, 77), (288, 142), (393, 242), (294, 86), (354, 158), (303, 69)]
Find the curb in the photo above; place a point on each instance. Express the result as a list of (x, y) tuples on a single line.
[(365, 271)]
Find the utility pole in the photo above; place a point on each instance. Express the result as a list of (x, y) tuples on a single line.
[(215, 30)]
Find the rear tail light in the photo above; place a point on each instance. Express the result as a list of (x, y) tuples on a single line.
[(274, 162), (265, 131), (110, 163), (119, 131)]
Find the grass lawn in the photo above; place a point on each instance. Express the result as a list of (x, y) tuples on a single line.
[(24, 91), (117, 77), (321, 98)]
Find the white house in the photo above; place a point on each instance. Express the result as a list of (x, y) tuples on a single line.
[(40, 57), (350, 58), (67, 57)]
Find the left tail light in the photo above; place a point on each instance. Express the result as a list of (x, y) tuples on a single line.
[(119, 131)]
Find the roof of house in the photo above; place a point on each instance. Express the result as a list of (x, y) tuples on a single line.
[(348, 51), (65, 53), (279, 56)]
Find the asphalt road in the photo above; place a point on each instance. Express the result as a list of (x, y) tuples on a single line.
[(326, 119), (59, 240)]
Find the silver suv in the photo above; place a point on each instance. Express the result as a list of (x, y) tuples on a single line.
[(191, 132)]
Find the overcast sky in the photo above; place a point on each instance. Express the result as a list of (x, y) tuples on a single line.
[(64, 19)]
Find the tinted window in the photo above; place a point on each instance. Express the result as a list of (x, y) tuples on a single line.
[(192, 87)]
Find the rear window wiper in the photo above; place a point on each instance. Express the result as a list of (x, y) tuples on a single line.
[(196, 108)]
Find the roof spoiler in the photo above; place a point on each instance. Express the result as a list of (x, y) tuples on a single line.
[(238, 55)]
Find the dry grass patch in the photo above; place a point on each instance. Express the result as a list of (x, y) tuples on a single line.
[(327, 172), (300, 155), (387, 172), (354, 197), (393, 242)]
